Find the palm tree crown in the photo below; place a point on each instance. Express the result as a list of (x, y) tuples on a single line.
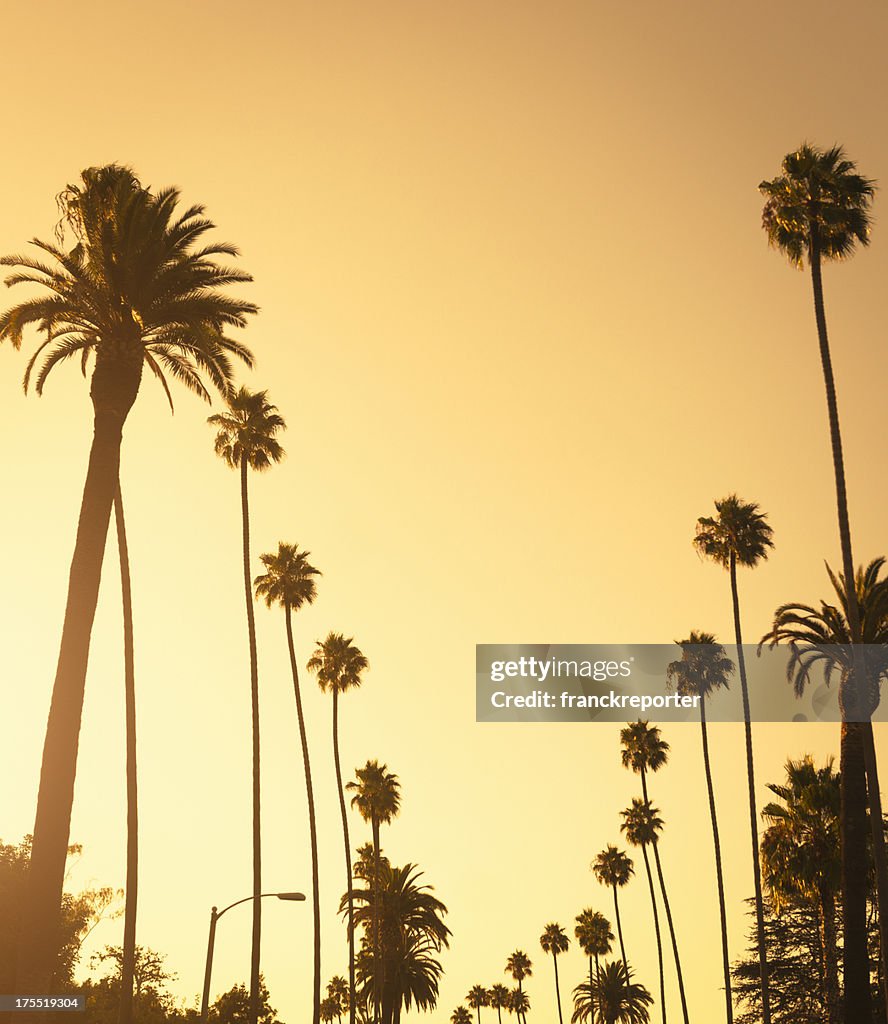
[(593, 933), (704, 667), (337, 663), (519, 965), (289, 580), (738, 530), (377, 793), (247, 431), (478, 996), (613, 867), (641, 823), (554, 940), (643, 748), (134, 288), (819, 191), (461, 1016), (613, 996)]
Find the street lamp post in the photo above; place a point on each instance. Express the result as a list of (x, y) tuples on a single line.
[(214, 917)]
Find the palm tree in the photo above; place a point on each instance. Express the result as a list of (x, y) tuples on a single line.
[(554, 941), (822, 638), (703, 669), (594, 937), (406, 971), (460, 1016), (339, 666), (644, 750), (614, 868), (739, 535), (519, 1003), (289, 581), (128, 952), (499, 999), (819, 208), (520, 967), (614, 995), (337, 990), (478, 996), (134, 289), (637, 829), (800, 857), (377, 796), (246, 440)]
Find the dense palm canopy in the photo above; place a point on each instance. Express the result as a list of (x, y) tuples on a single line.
[(460, 1016), (703, 669), (593, 933), (337, 663), (247, 432), (819, 191), (519, 966), (498, 995), (642, 823), (611, 998), (554, 940), (377, 793), (289, 579), (644, 750), (738, 530), (613, 867)]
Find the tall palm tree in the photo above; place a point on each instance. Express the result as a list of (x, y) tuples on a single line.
[(478, 996), (289, 581), (822, 638), (614, 868), (135, 288), (703, 669), (520, 967), (645, 750), (377, 797), (128, 951), (554, 941), (246, 439), (339, 666), (337, 991), (740, 535), (498, 995), (616, 998), (636, 827), (800, 856), (595, 939), (819, 208)]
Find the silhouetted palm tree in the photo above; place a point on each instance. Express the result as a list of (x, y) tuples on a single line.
[(637, 827), (134, 289), (339, 666), (644, 750), (555, 941), (703, 669), (246, 439), (478, 996), (377, 796), (520, 967), (460, 1016), (595, 939), (289, 581), (818, 208), (821, 638), (800, 857), (337, 990), (614, 868), (739, 535), (499, 999), (616, 998), (519, 1003)]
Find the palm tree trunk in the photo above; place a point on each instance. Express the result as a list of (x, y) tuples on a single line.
[(377, 959), (312, 823), (348, 862), (38, 941), (128, 958), (254, 699), (681, 989), (853, 613), (726, 960), (753, 814), (650, 877), (877, 832), (598, 979), (857, 1003), (829, 955), (557, 992), (619, 928)]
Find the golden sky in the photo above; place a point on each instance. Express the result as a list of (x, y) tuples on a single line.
[(522, 321)]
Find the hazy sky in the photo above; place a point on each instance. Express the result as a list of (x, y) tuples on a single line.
[(524, 326)]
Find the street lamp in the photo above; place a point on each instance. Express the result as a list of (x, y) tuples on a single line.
[(214, 917)]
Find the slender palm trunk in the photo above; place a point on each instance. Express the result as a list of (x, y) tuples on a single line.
[(377, 957), (726, 960), (753, 814), (128, 960), (557, 990), (877, 833), (829, 955), (312, 823), (592, 993), (38, 941), (521, 1015), (499, 1014), (254, 700), (849, 856), (598, 979), (650, 877), (619, 927), (678, 971), (348, 862)]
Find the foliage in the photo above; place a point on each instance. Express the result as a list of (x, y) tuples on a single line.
[(611, 998)]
